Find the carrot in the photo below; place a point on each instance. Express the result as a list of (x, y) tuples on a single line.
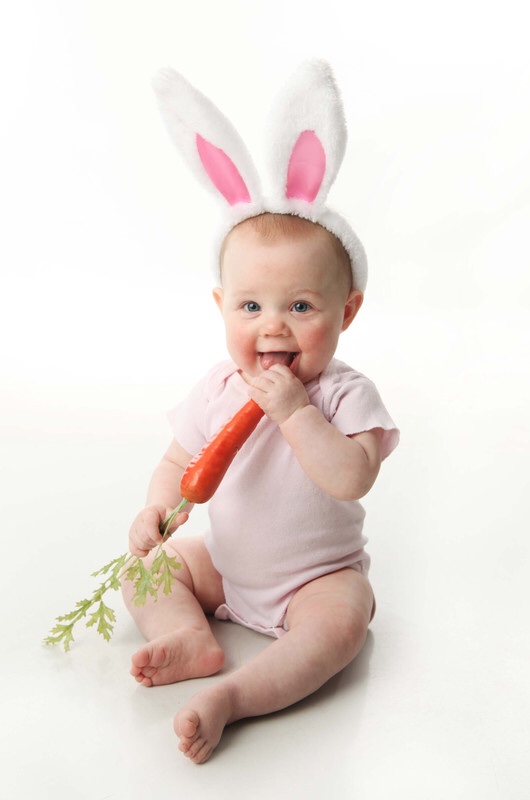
[(199, 481), (207, 469)]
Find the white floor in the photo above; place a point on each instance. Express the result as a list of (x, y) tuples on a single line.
[(437, 704)]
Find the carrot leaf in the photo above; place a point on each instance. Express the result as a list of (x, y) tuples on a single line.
[(162, 568), (146, 582), (104, 618)]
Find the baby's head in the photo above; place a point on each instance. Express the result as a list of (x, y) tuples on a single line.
[(286, 294), (269, 227)]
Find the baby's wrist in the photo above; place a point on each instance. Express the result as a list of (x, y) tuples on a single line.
[(294, 416)]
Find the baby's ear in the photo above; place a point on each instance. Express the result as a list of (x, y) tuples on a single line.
[(218, 297), (353, 303)]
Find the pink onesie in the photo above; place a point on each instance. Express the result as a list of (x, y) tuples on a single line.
[(271, 528)]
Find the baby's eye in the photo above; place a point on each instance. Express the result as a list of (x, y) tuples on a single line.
[(300, 307), (251, 306)]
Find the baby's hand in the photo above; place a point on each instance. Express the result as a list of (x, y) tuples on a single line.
[(145, 530), (278, 392)]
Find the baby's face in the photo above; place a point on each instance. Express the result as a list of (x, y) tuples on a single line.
[(283, 300)]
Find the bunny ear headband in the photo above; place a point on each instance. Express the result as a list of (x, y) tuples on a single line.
[(307, 148)]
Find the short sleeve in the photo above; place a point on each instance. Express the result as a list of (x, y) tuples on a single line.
[(210, 403), (186, 418), (353, 404)]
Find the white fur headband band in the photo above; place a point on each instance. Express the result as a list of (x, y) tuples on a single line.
[(307, 148)]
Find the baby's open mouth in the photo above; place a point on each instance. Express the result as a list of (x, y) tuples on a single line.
[(276, 357)]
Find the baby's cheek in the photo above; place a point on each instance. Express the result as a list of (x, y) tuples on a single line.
[(314, 338), (239, 342)]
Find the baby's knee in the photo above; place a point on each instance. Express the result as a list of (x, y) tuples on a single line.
[(198, 571), (351, 627), (135, 575), (337, 609)]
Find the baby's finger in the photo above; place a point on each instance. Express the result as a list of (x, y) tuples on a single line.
[(137, 551), (179, 520), (280, 369)]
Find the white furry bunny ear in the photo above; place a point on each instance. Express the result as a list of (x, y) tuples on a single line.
[(308, 135), (207, 140)]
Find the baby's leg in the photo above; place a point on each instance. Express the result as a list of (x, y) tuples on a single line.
[(328, 620), (180, 642)]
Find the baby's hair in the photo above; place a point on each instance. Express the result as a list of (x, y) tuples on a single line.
[(270, 226)]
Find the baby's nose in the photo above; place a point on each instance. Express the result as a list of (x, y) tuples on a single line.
[(274, 324)]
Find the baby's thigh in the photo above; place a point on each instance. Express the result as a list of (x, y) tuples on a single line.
[(197, 571), (343, 599)]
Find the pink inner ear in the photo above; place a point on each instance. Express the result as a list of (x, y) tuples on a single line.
[(222, 172), (307, 166)]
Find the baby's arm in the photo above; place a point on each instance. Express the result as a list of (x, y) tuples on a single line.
[(162, 497), (344, 466)]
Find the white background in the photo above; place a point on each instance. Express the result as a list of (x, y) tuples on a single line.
[(107, 320)]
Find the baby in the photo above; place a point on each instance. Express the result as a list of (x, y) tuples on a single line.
[(285, 552)]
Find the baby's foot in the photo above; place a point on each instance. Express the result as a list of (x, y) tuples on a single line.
[(200, 724), (176, 657)]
